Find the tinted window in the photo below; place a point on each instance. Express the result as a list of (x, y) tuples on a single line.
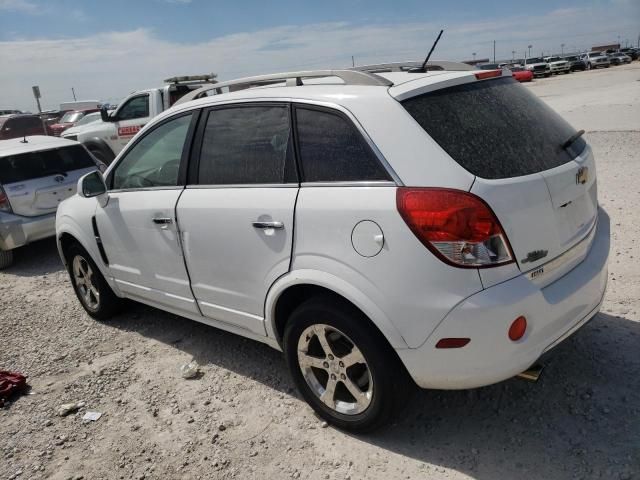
[(26, 166), (154, 161), (137, 107), (246, 145), (495, 128), (332, 150)]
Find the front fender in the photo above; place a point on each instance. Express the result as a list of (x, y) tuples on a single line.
[(74, 218), (339, 286)]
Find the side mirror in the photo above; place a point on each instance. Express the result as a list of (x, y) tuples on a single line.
[(92, 185), (104, 115)]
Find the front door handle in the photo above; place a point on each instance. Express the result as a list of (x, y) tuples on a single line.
[(162, 220), (265, 225)]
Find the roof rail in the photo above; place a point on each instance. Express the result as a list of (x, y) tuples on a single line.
[(290, 79), (406, 66)]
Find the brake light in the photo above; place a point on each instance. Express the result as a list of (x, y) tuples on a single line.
[(489, 74), (5, 206), (457, 226)]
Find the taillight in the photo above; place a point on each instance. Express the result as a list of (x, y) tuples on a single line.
[(5, 206), (457, 226)]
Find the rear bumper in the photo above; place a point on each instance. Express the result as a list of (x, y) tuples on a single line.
[(16, 231), (553, 313)]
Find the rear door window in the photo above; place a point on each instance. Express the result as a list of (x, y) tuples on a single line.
[(27, 166), (495, 128), (332, 149), (247, 145)]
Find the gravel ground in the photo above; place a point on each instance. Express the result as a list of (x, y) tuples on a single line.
[(241, 417)]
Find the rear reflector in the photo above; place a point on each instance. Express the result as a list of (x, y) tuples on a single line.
[(5, 206), (489, 74), (452, 342), (517, 329), (457, 226)]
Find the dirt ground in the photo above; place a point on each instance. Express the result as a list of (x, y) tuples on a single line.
[(242, 418)]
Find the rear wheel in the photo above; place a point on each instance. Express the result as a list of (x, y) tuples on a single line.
[(91, 288), (6, 258), (343, 368)]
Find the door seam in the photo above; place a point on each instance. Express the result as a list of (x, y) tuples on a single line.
[(182, 250)]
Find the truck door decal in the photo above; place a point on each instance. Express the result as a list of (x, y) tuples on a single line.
[(129, 131)]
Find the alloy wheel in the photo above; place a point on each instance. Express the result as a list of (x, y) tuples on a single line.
[(335, 369), (83, 278)]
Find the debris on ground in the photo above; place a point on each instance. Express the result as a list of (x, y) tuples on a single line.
[(190, 370), (10, 384), (67, 408), (91, 416)]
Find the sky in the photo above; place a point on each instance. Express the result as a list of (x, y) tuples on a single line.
[(108, 49)]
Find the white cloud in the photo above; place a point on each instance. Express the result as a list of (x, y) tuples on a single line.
[(18, 6), (108, 66)]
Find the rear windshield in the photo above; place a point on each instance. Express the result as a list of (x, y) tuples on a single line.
[(26, 166), (495, 128)]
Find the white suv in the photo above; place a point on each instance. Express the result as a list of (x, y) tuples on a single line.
[(439, 228)]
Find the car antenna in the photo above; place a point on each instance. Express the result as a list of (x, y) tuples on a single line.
[(423, 68)]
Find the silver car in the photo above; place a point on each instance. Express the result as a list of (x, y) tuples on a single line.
[(36, 174), (596, 60)]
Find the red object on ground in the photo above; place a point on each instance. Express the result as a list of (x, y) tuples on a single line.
[(10, 383), (523, 76)]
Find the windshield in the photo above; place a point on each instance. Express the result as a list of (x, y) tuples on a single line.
[(495, 128), (92, 117), (572, 59), (535, 60), (71, 117), (25, 166), (554, 59)]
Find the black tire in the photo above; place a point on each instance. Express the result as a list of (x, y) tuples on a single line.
[(107, 304), (6, 258), (101, 154), (589, 66), (389, 385)]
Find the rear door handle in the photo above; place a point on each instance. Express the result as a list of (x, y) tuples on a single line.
[(162, 220), (265, 225)]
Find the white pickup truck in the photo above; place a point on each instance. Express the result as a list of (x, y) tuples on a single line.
[(104, 139)]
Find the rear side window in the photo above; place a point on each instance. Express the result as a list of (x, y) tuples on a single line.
[(495, 128), (332, 150), (27, 166), (247, 145)]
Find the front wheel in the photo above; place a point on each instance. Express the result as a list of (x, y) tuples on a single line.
[(93, 291), (343, 368), (102, 155)]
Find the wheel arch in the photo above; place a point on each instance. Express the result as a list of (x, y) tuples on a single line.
[(100, 144), (291, 290)]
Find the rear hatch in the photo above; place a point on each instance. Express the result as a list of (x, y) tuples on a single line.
[(544, 194), (36, 182)]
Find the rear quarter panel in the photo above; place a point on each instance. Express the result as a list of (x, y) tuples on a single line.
[(408, 290)]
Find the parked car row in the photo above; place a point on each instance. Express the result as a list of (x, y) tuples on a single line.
[(547, 66)]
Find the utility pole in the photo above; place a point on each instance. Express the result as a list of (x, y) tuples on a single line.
[(529, 47), (353, 61), (513, 54), (474, 56), (74, 94), (562, 49), (494, 51)]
